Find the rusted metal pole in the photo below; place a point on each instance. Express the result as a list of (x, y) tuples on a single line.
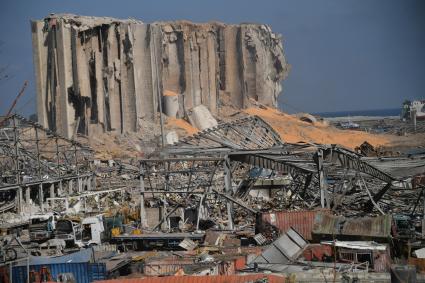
[(228, 189), (16, 159), (322, 182), (143, 219), (40, 191)]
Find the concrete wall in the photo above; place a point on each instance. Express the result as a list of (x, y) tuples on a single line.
[(103, 74)]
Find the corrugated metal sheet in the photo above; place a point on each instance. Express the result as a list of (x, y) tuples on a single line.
[(97, 271), (240, 263), (374, 227), (326, 224), (379, 226), (382, 261), (284, 250), (166, 266), (202, 279), (301, 221), (82, 256), (83, 272)]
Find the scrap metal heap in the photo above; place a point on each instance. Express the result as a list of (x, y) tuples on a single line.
[(37, 163), (46, 158), (233, 198), (227, 188)]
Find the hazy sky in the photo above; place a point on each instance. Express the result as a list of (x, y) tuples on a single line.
[(345, 54)]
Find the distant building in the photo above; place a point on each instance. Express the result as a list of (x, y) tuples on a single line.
[(410, 108)]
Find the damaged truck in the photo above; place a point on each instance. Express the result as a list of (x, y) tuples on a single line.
[(41, 226), (85, 232)]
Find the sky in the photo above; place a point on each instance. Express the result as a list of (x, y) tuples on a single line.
[(344, 54)]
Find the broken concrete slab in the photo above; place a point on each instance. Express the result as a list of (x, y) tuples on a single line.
[(200, 117), (171, 137), (188, 244)]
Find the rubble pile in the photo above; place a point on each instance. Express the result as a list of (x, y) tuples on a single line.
[(289, 127), (218, 202), (193, 171)]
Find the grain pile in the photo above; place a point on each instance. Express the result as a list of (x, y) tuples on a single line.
[(182, 127), (292, 130)]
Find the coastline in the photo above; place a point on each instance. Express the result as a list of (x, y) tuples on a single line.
[(359, 118)]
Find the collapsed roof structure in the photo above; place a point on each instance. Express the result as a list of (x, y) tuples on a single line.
[(233, 185), (321, 176), (225, 161), (38, 162), (214, 179)]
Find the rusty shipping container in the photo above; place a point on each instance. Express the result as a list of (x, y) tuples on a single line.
[(364, 227), (374, 227), (301, 221)]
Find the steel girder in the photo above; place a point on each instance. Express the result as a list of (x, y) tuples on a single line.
[(30, 153), (246, 133)]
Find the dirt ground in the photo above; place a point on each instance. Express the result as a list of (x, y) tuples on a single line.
[(409, 144)]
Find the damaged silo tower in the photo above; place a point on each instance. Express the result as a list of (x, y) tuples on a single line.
[(103, 74)]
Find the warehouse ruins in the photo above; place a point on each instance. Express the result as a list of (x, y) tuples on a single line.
[(234, 199), (233, 186)]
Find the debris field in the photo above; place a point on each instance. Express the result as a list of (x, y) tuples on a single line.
[(159, 155)]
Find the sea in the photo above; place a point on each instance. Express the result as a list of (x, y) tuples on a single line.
[(361, 113)]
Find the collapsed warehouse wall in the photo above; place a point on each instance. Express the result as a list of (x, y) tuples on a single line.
[(103, 74)]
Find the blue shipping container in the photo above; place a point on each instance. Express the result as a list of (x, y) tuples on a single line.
[(83, 272)]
